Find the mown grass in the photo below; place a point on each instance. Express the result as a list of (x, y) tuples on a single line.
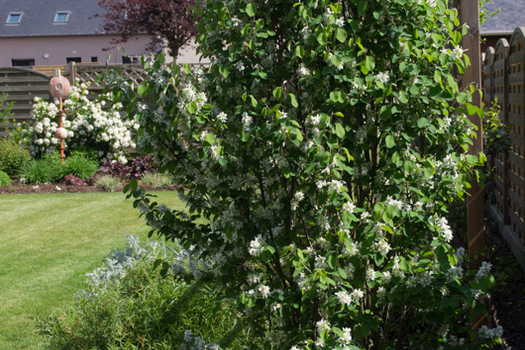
[(48, 243)]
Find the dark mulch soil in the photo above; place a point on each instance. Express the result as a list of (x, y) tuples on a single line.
[(507, 301), (18, 188), (508, 296)]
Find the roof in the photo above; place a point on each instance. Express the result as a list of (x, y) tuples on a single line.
[(38, 18), (512, 15)]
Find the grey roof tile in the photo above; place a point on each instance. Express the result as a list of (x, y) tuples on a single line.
[(512, 15), (38, 17)]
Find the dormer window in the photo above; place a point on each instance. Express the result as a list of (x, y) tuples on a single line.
[(13, 18), (61, 17)]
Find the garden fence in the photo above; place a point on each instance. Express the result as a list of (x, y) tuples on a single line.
[(22, 85), (504, 83)]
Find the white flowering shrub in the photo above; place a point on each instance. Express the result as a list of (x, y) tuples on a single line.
[(323, 147), (91, 125)]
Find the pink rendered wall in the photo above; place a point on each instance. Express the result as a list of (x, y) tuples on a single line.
[(59, 48)]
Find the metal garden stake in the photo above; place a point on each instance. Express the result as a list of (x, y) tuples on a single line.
[(59, 88)]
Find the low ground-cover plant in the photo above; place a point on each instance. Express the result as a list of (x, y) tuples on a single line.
[(128, 305), (50, 168), (80, 165), (156, 179), (74, 181), (140, 166), (39, 171), (108, 183), (5, 180), (132, 170), (323, 147), (12, 156)]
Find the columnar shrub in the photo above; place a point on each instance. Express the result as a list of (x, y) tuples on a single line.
[(323, 146), (91, 125)]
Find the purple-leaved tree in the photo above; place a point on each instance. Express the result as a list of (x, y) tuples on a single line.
[(171, 22)]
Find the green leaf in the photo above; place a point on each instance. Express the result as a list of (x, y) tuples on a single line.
[(250, 10), (437, 76), (142, 89), (254, 101), (299, 51), (370, 63), (210, 138), (293, 100), (192, 107), (361, 6), (403, 97), (224, 71), (423, 123), (277, 93), (186, 68), (341, 35), (389, 141), (339, 130)]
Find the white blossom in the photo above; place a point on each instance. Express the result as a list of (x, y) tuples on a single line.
[(346, 337), (484, 269), (349, 207), (457, 53), (322, 325), (357, 294), (490, 333), (303, 71), (264, 290), (256, 246), (382, 247), (383, 77), (246, 121), (344, 297), (370, 274), (222, 117)]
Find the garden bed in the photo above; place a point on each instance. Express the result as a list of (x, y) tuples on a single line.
[(21, 188)]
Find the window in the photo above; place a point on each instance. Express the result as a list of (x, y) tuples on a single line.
[(61, 17), (94, 59), (14, 18), (73, 59), (130, 59), (22, 62)]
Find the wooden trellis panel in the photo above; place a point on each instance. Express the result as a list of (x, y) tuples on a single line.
[(516, 118), (500, 94), (89, 74), (487, 81), (504, 82), (22, 85)]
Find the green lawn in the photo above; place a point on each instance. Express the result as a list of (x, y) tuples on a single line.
[(48, 243)]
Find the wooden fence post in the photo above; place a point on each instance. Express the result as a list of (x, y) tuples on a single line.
[(469, 15)]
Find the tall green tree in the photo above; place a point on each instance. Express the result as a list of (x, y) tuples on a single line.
[(323, 146)]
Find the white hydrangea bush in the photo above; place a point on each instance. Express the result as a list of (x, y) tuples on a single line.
[(91, 124), (323, 146)]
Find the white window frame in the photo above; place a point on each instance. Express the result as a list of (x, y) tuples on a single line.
[(9, 16), (61, 13)]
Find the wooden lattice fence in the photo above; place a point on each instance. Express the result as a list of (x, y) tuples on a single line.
[(22, 85), (504, 83)]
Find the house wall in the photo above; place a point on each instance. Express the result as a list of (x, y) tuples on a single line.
[(59, 48)]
